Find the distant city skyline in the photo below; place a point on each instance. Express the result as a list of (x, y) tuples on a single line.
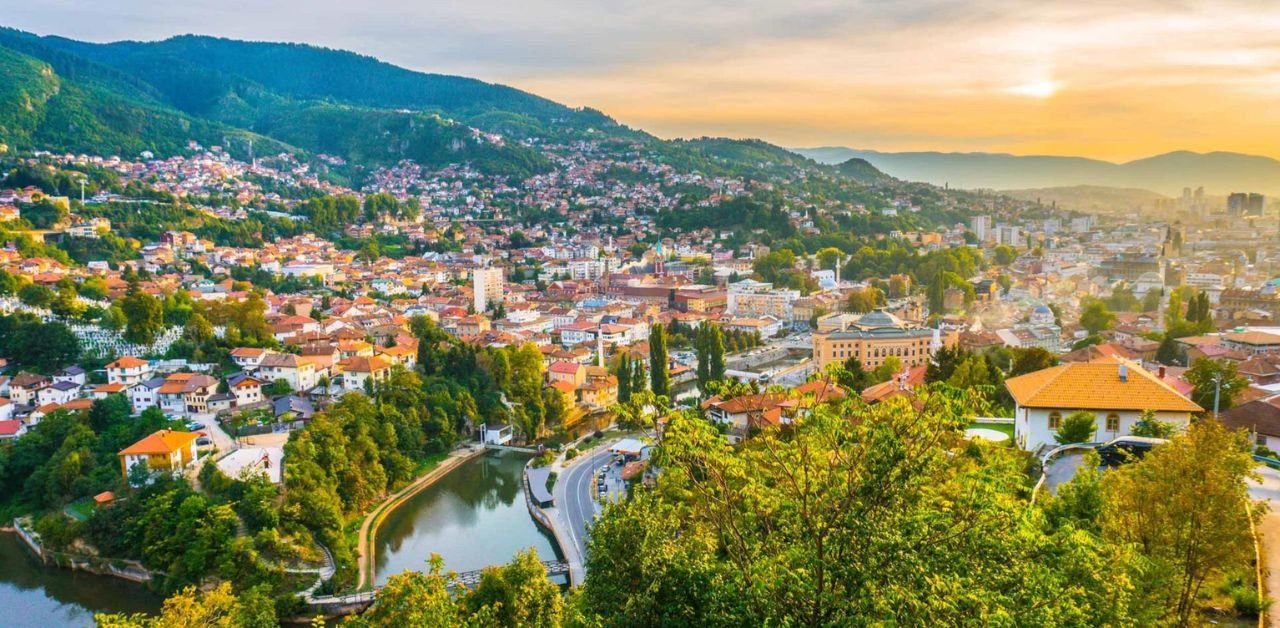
[(1060, 78)]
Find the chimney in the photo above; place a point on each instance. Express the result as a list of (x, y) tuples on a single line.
[(1124, 372), (1161, 371)]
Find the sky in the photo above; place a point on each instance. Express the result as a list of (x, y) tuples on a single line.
[(1114, 80)]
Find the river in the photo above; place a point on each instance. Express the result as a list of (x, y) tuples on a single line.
[(35, 596), (473, 517)]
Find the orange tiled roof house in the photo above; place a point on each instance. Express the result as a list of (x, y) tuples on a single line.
[(1116, 391), (162, 451)]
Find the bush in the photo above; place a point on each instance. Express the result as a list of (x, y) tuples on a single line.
[(56, 531), (545, 459), (571, 453), (1247, 601)]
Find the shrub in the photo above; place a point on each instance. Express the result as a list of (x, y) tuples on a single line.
[(1247, 601)]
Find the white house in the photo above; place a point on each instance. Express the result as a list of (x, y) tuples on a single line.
[(299, 372), (497, 434), (59, 392), (128, 371), (145, 395), (73, 374), (356, 371), (1116, 391), (248, 390), (248, 358)]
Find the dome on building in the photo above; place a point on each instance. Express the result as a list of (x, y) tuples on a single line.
[(880, 318)]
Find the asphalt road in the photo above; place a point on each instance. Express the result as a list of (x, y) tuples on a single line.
[(577, 500)]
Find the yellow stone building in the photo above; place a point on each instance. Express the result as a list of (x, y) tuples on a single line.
[(874, 337)]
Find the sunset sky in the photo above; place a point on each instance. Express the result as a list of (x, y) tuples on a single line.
[(1082, 78)]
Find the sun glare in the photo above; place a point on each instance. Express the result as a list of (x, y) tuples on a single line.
[(1037, 89)]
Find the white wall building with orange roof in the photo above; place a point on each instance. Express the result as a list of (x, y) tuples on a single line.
[(1116, 391), (128, 370), (162, 451)]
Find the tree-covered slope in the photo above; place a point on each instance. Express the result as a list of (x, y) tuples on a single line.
[(41, 107), (195, 72), (132, 96), (27, 87), (861, 170)]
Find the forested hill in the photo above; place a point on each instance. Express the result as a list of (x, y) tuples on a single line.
[(127, 97), (300, 71), (124, 97)]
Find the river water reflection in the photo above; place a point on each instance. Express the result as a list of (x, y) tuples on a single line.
[(33, 595), (473, 517)]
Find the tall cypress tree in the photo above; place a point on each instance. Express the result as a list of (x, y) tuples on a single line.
[(624, 378), (659, 377), (638, 377), (715, 354), (700, 346)]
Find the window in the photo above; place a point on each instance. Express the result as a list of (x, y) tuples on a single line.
[(1113, 423), (1055, 419), (1261, 440)]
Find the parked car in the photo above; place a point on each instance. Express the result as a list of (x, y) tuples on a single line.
[(1126, 449), (204, 441)]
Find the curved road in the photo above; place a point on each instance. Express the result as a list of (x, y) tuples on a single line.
[(574, 499)]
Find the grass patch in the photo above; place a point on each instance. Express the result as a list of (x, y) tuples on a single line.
[(80, 510), (429, 463)]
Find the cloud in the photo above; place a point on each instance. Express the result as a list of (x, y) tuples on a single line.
[(1112, 80)]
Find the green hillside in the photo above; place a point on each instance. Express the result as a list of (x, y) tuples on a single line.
[(195, 73), (128, 97), (27, 87), (41, 108), (861, 170)]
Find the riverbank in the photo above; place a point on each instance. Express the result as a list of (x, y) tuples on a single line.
[(365, 541), (130, 570)]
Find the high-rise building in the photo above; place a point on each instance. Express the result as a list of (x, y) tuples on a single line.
[(487, 284), (1257, 202), (1010, 234), (1242, 203), (1236, 202), (981, 227), (755, 299)]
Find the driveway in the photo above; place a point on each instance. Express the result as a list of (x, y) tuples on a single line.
[(221, 440), (1062, 469)]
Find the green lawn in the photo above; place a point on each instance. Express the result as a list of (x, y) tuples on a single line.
[(80, 510)]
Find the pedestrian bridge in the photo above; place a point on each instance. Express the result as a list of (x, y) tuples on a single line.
[(464, 579)]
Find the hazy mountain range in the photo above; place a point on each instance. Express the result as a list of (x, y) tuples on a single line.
[(1219, 172)]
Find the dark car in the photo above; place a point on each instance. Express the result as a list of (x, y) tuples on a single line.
[(1126, 449)]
